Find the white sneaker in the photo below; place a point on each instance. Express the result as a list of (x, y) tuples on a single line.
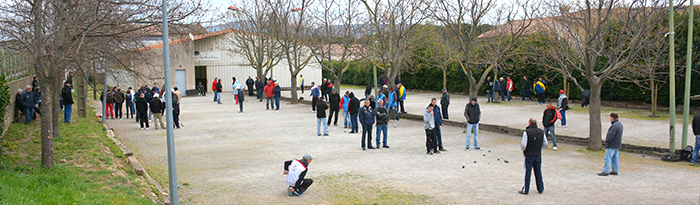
[(555, 148), (148, 128), (142, 128)]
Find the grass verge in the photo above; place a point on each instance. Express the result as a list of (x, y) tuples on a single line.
[(95, 170)]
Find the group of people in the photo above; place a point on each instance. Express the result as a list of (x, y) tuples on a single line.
[(145, 103), (28, 101), (265, 89), (504, 87)]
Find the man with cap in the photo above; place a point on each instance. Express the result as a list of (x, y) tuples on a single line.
[(445, 102), (473, 114), (532, 144), (296, 175), (562, 106)]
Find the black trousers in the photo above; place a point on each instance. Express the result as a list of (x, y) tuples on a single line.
[(143, 118), (313, 103), (305, 184), (240, 106), (366, 132), (540, 97), (118, 110), (533, 163), (330, 116), (526, 93), (430, 139), (401, 104), (176, 116), (444, 112)]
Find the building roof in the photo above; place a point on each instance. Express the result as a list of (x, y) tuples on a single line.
[(186, 39)]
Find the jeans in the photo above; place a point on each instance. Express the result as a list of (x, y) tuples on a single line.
[(270, 102), (550, 130), (509, 97), (28, 113), (430, 139), (240, 105), (611, 158), (330, 116), (563, 117), (503, 95), (381, 129), (353, 122), (176, 116), (526, 93), (533, 163), (67, 112), (277, 103), (489, 96), (314, 100), (260, 92), (438, 136), (444, 112), (694, 157), (130, 110), (346, 118), (215, 96), (394, 109), (366, 134), (218, 97), (476, 134), (320, 121)]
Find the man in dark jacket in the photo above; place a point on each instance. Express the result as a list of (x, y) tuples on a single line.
[(532, 144), (19, 105), (489, 90), (321, 108), (118, 102), (241, 98), (382, 115), (368, 89), (296, 172), (142, 109), (277, 94), (176, 112), (367, 120), (157, 110), (503, 89), (29, 104), (526, 89), (219, 89), (473, 114), (250, 82), (354, 107), (613, 143), (445, 103), (438, 125), (67, 102), (259, 86), (334, 102), (696, 132), (548, 119)]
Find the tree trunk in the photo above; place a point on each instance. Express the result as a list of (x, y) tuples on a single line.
[(336, 85), (594, 132), (495, 78), (653, 97), (295, 98), (473, 91), (444, 77), (47, 126)]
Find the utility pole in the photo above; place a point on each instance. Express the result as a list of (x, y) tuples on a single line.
[(172, 172), (672, 82), (688, 68)]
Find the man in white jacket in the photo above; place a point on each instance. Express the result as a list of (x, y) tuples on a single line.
[(296, 172)]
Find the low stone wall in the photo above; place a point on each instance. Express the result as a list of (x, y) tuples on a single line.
[(11, 113)]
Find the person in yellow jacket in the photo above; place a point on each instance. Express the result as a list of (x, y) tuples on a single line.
[(539, 88), (301, 83), (402, 96)]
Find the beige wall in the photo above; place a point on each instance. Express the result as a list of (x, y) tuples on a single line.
[(10, 110)]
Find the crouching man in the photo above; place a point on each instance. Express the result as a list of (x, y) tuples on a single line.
[(296, 172)]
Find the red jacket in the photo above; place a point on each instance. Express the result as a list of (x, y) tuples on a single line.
[(213, 86), (509, 85), (268, 89)]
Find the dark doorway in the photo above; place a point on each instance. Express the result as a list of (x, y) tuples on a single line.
[(200, 76)]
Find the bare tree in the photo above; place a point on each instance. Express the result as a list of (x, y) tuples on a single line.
[(395, 26), (335, 39), (252, 37), (464, 20), (58, 32), (290, 26), (599, 40)]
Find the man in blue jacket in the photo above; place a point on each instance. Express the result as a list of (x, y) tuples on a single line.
[(438, 125), (367, 120), (392, 104), (613, 143), (30, 103), (346, 112)]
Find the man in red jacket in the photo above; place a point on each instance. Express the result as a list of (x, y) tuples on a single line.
[(269, 94), (213, 87), (509, 88)]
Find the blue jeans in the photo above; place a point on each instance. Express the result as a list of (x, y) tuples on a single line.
[(563, 117), (476, 134), (130, 110), (353, 121), (260, 93), (270, 102), (611, 158), (509, 97), (394, 109), (277, 103), (694, 158), (346, 118), (489, 95), (320, 121), (381, 129), (218, 97), (526, 93), (438, 133), (67, 112), (550, 130), (533, 163), (503, 95), (366, 134), (28, 113)]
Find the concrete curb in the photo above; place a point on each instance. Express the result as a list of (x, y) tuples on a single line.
[(136, 166), (573, 140)]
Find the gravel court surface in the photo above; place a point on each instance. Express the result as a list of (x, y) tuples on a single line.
[(227, 157)]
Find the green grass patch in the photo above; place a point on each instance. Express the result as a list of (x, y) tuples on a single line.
[(351, 188), (95, 171)]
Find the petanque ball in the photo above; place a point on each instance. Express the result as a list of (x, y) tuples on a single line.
[(462, 166), (484, 155), (474, 162), (506, 161)]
